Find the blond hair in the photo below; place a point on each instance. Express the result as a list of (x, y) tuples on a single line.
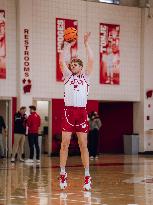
[(77, 60)]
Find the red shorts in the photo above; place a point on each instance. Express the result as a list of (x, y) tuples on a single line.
[(75, 119)]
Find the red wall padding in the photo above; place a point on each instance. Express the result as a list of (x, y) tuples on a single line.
[(117, 120)]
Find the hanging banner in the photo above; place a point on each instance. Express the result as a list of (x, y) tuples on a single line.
[(109, 54), (26, 81), (61, 25), (2, 46)]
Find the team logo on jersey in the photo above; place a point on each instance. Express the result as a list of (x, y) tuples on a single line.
[(84, 126), (76, 82)]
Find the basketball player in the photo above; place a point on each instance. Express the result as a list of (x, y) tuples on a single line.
[(76, 83)]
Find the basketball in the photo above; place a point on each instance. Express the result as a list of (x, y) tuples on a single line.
[(70, 34)]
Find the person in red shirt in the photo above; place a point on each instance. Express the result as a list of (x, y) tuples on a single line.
[(33, 124)]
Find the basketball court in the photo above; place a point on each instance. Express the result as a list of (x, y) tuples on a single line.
[(121, 180), (76, 80)]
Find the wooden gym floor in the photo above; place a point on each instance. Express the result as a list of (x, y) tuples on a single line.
[(117, 180)]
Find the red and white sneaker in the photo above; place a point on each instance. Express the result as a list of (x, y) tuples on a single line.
[(87, 183), (63, 180)]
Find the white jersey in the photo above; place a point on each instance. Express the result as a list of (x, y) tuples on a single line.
[(76, 89)]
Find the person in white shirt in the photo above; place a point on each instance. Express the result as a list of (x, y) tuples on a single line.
[(76, 84)]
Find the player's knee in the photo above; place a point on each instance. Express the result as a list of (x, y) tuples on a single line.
[(65, 145), (83, 146)]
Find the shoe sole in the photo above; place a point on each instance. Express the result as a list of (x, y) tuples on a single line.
[(87, 189), (64, 187)]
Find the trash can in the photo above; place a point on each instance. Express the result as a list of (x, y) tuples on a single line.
[(131, 144)]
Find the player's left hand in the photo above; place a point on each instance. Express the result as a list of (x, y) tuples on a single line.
[(86, 37), (73, 43)]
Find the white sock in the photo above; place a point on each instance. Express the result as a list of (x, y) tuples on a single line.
[(62, 170), (87, 172)]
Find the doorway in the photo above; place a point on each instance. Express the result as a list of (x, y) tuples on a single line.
[(117, 120), (5, 112), (44, 112)]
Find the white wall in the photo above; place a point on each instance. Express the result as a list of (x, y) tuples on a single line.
[(24, 21), (148, 82), (8, 86), (141, 109), (148, 65), (89, 16)]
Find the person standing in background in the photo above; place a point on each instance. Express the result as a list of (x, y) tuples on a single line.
[(33, 124), (2, 126), (19, 134), (95, 125)]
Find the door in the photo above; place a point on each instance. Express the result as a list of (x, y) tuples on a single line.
[(117, 120)]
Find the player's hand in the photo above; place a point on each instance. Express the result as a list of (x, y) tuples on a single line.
[(72, 43), (62, 45), (86, 38), (69, 44), (65, 44)]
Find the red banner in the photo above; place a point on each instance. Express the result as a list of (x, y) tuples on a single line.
[(2, 46), (109, 54), (61, 25)]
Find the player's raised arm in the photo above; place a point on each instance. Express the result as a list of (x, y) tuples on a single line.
[(63, 65), (89, 53)]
